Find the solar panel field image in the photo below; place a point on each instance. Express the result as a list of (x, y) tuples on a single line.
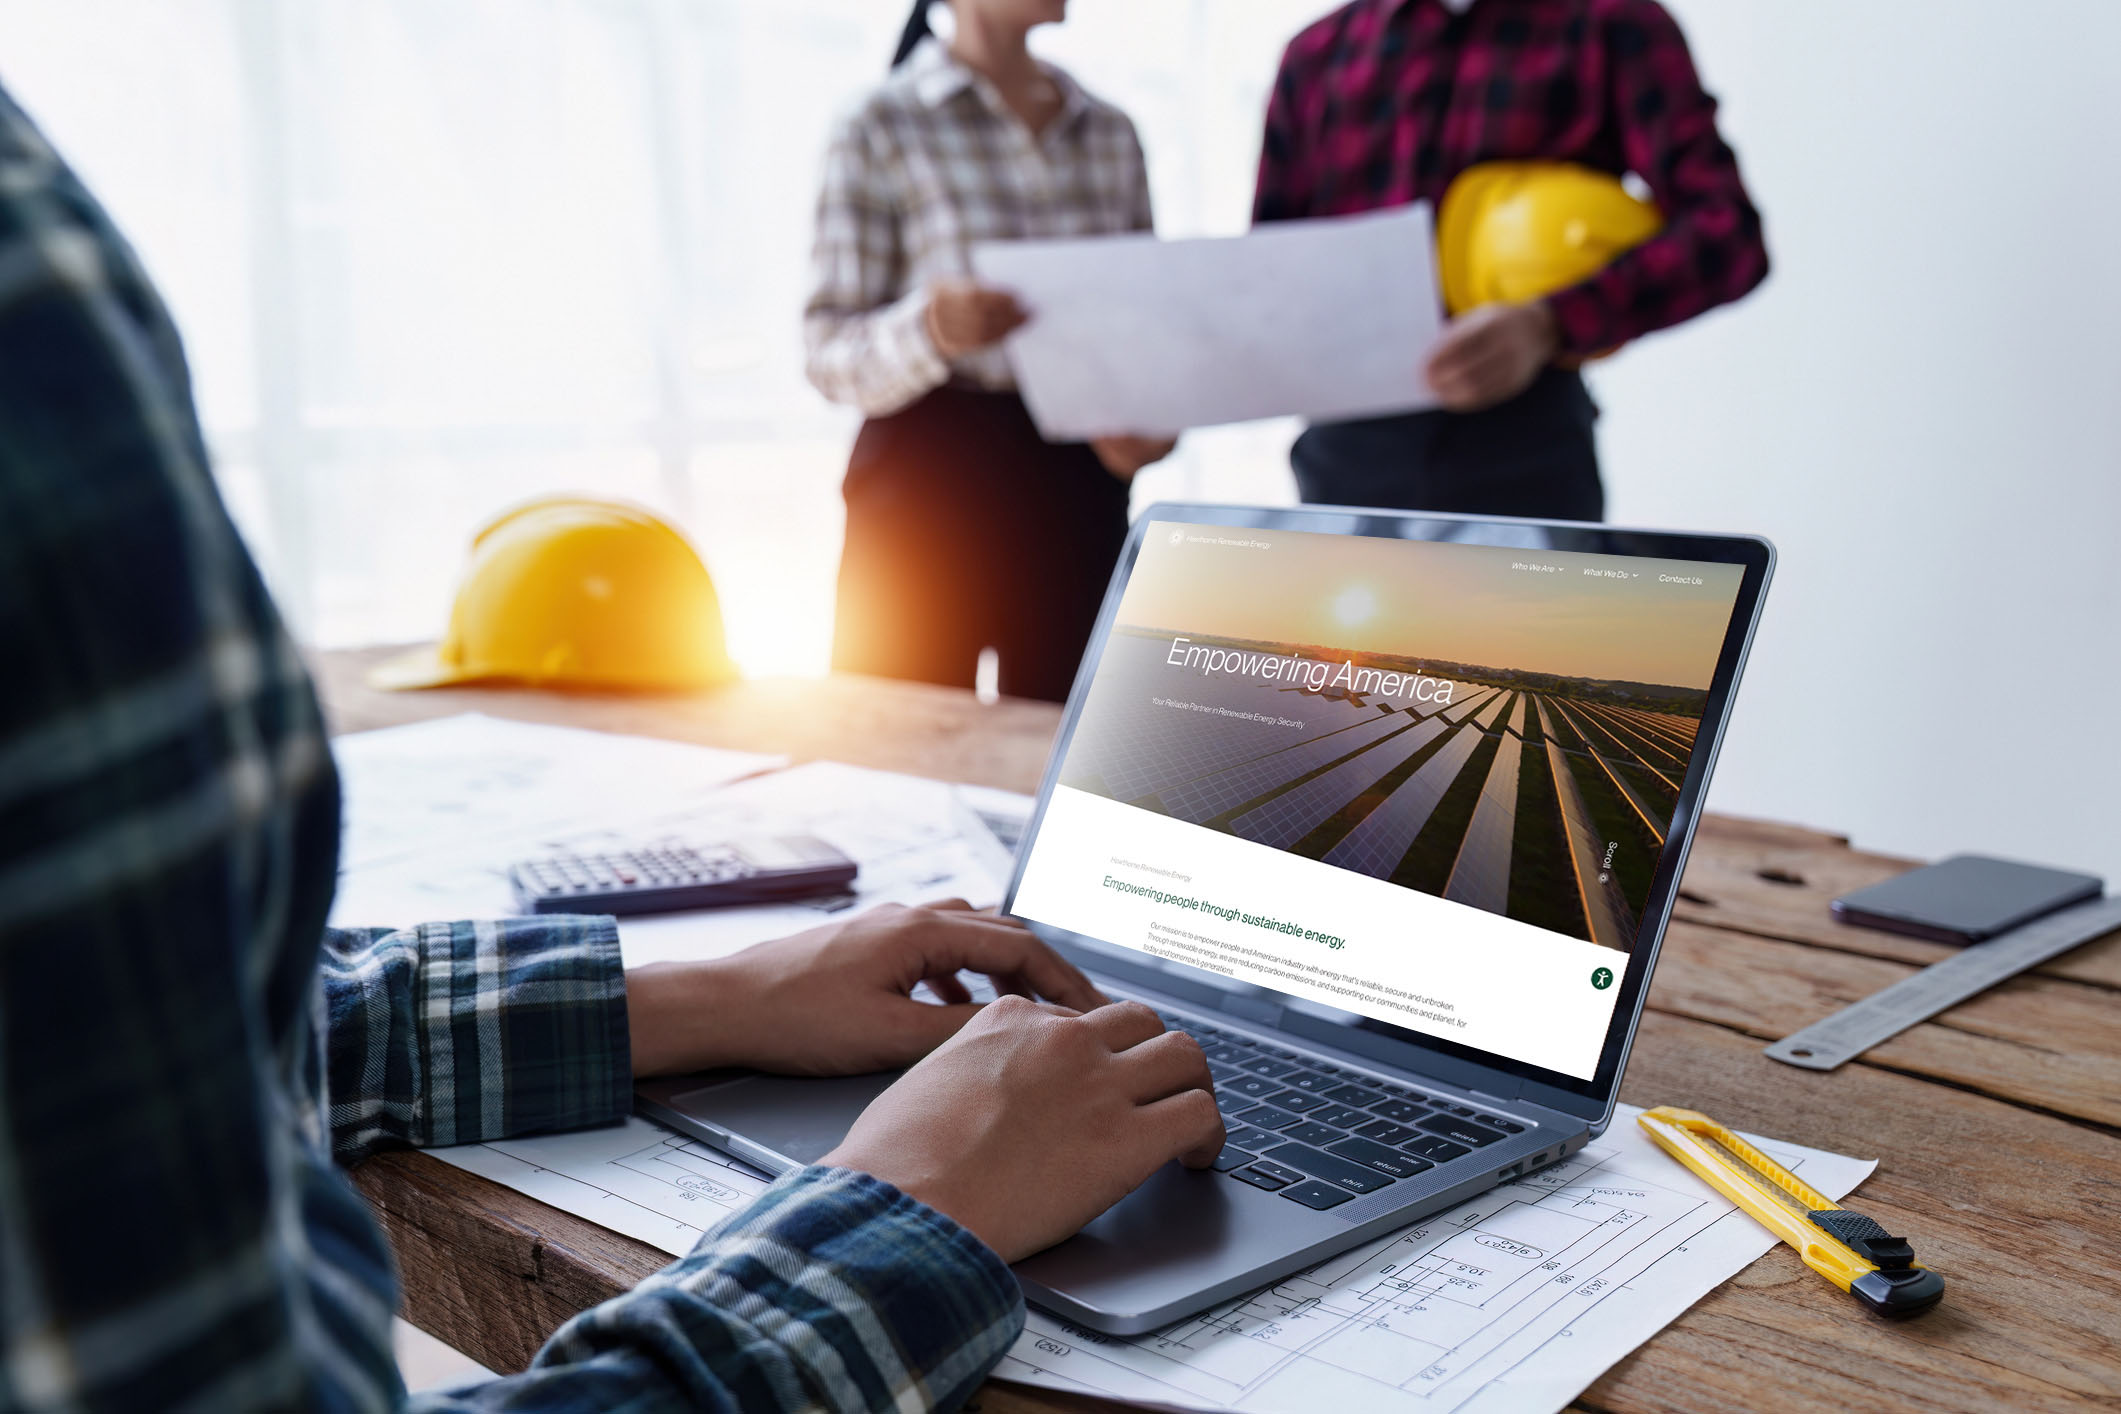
[(1541, 797)]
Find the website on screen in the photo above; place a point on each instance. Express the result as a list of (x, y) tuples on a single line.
[(1427, 783)]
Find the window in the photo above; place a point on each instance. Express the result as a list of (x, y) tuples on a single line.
[(435, 257)]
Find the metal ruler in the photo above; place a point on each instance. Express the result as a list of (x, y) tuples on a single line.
[(1854, 1029)]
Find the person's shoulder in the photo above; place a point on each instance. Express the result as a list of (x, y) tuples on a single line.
[(1631, 10), (893, 98), (29, 168), (868, 123), (1316, 41), (1636, 19), (1101, 110)]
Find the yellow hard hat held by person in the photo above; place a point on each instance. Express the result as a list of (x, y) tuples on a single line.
[(572, 591), (1509, 232)]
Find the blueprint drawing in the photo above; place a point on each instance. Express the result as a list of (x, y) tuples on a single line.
[(1515, 1301)]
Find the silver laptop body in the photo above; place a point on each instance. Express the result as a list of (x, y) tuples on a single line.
[(1408, 900)]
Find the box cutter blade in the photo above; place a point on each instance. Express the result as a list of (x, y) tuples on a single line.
[(1848, 1249)]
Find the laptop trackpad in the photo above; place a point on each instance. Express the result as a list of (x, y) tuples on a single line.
[(802, 1120)]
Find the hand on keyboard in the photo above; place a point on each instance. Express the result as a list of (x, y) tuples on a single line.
[(1030, 1122), (837, 1000)]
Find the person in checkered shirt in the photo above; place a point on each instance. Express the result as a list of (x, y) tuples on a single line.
[(190, 1057), (1386, 102), (966, 531)]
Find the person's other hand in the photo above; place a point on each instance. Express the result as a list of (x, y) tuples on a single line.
[(837, 1000), (1491, 354), (1124, 456), (1030, 1123), (965, 316)]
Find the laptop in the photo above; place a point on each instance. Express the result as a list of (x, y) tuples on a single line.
[(1389, 811)]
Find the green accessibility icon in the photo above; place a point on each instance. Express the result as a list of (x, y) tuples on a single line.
[(1602, 978)]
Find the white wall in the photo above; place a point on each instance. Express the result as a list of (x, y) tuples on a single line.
[(1920, 409)]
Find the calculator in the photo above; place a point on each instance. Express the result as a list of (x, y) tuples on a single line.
[(673, 878)]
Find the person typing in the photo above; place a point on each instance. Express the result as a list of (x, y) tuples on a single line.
[(189, 1056)]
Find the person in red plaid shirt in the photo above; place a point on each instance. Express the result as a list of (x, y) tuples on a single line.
[(1385, 102)]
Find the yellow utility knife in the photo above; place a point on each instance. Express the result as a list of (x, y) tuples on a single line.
[(1847, 1248)]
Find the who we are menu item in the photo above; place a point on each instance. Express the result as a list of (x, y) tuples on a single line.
[(1424, 782)]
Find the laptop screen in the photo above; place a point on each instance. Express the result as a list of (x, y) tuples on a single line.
[(1419, 782)]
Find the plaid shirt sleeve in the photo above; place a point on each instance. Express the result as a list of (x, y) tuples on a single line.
[(1141, 212), (868, 346), (453, 1033), (174, 1232), (832, 1291), (1282, 191), (1710, 251)]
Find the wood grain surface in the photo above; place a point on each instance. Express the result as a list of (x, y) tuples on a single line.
[(1997, 1125)]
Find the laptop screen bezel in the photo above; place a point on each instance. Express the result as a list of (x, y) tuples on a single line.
[(1487, 1072)]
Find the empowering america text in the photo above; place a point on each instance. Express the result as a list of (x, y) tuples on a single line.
[(1308, 672)]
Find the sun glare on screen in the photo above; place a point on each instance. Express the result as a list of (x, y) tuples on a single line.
[(1355, 606)]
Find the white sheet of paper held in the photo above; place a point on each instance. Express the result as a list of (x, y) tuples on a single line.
[(1131, 334), (1510, 1304)]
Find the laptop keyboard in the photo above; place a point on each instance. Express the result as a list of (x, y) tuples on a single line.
[(1320, 1134)]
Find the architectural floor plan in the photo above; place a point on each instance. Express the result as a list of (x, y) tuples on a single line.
[(1514, 1301)]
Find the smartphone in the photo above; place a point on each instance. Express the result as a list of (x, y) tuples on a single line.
[(1966, 898)]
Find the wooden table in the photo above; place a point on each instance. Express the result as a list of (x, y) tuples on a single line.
[(1997, 1125)]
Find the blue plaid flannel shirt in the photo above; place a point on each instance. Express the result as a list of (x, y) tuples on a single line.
[(186, 1050)]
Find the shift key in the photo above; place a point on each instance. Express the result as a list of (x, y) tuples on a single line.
[(1319, 1164)]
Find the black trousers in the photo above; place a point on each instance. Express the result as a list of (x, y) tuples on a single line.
[(1534, 455), (966, 530)]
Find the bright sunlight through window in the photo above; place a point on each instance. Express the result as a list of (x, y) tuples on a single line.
[(434, 259)]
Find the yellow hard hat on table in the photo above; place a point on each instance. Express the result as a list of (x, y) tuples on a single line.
[(1514, 231), (578, 592)]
